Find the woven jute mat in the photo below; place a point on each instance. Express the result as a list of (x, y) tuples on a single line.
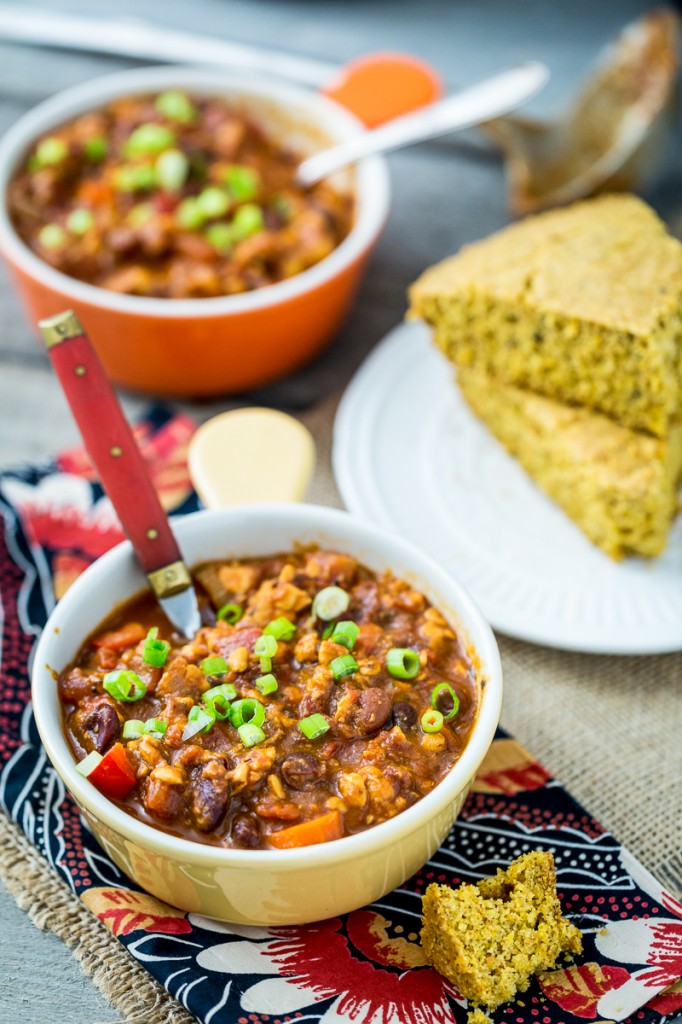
[(609, 728)]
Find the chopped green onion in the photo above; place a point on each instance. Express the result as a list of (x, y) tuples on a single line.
[(89, 763), (172, 168), (50, 151), (176, 106), (96, 148), (445, 688), (247, 711), (124, 685), (220, 237), (345, 633), (198, 720), (243, 182), (266, 684), (214, 666), (134, 177), (266, 665), (213, 202), (346, 665), (230, 613), (155, 651), (149, 139), (140, 214), (281, 629), (265, 646), (80, 221), (218, 698), (247, 221), (328, 630), (314, 726), (402, 663), (250, 734), (52, 236), (189, 215), (432, 721), (329, 603), (156, 727), (133, 729)]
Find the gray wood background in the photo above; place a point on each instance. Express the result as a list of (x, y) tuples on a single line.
[(445, 193)]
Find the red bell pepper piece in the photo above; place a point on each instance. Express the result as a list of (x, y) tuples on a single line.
[(121, 639), (114, 775)]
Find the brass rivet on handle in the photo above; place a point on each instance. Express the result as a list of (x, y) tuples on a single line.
[(80, 371), (152, 533), (116, 451)]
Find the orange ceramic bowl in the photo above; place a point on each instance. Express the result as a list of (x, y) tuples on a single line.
[(201, 347)]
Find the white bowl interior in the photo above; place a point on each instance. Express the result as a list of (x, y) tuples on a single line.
[(255, 531), (305, 121)]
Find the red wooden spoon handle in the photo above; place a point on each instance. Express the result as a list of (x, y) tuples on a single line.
[(110, 443)]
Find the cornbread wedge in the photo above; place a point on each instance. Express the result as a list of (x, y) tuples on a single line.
[(582, 304), (489, 939), (618, 485)]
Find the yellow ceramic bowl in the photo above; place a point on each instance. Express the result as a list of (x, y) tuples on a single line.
[(267, 887)]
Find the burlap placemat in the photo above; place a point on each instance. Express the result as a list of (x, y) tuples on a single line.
[(609, 728)]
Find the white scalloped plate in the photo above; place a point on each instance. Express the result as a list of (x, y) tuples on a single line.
[(410, 456)]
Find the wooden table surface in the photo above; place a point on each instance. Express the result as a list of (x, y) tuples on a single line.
[(445, 194)]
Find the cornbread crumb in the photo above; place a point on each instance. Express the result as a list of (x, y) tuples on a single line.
[(581, 304), (478, 1017), (618, 485), (489, 939)]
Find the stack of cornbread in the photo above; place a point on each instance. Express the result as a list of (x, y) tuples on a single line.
[(566, 332)]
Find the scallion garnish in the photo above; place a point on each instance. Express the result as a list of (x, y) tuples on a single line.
[(230, 613), (266, 684), (134, 177), (281, 629), (345, 633), (213, 202), (155, 651), (402, 663), (172, 168), (52, 236), (265, 646), (250, 734), (156, 727), (198, 720), (80, 221), (246, 711), (50, 151), (243, 182), (133, 729), (176, 106), (219, 698), (89, 763), (437, 692), (432, 721), (328, 630), (220, 237), (124, 685), (95, 148), (149, 139), (247, 221), (214, 666), (189, 215), (343, 666), (329, 603), (314, 726)]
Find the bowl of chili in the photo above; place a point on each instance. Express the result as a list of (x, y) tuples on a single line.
[(330, 693), (160, 204)]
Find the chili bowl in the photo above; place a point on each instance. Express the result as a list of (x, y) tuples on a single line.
[(206, 346), (280, 886)]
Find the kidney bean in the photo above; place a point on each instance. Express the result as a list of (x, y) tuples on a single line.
[(372, 710), (246, 831), (209, 794), (404, 715), (100, 725), (301, 771)]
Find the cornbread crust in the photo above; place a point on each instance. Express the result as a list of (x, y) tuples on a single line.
[(581, 304), (618, 485), (489, 939)]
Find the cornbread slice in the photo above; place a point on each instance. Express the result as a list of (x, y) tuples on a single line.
[(582, 304), (489, 939), (618, 485)]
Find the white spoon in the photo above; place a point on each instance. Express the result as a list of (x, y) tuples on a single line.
[(490, 98)]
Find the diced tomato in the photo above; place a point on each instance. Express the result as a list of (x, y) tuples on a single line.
[(319, 830), (114, 775), (121, 639)]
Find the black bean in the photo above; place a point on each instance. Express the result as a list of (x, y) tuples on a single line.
[(404, 715), (209, 795), (101, 726), (301, 771), (246, 831)]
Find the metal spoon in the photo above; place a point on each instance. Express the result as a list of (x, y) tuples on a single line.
[(488, 99)]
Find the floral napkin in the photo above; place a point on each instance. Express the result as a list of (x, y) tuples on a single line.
[(366, 967)]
